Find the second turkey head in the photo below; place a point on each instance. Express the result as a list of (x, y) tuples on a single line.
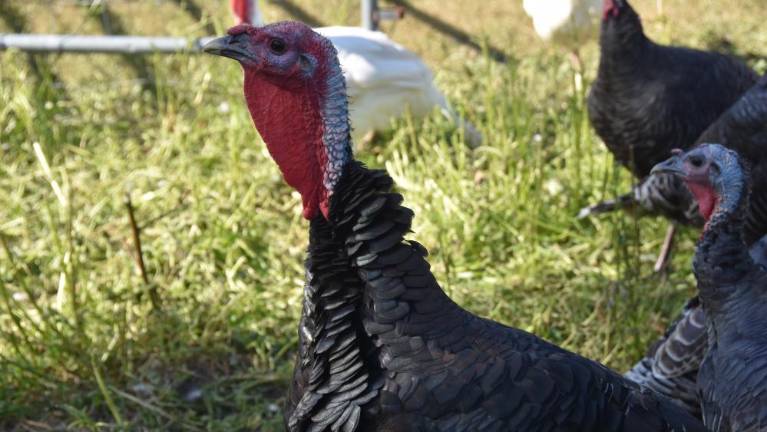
[(613, 8), (713, 173), (621, 33)]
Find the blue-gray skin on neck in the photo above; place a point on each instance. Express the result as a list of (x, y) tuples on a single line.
[(729, 178), (335, 121), (722, 241)]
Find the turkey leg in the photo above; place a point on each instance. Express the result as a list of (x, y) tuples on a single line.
[(665, 250)]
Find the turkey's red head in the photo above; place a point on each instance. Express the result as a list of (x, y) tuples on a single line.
[(612, 8), (296, 95), (712, 172)]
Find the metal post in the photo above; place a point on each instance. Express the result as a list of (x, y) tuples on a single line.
[(370, 14), (100, 44), (255, 14)]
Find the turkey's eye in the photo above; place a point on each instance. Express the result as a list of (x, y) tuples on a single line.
[(278, 46), (697, 161)]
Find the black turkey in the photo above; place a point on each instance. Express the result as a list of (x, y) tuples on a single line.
[(382, 347), (648, 99), (671, 366), (731, 286)]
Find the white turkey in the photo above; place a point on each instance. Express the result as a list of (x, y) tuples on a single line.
[(384, 80), (567, 22)]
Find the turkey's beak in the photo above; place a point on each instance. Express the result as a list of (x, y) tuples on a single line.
[(232, 46), (673, 165)]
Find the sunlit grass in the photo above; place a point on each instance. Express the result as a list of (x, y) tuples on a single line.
[(84, 344)]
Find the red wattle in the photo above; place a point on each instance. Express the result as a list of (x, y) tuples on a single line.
[(706, 198), (290, 124), (609, 9), (324, 207)]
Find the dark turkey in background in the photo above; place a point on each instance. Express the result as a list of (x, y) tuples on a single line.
[(648, 99)]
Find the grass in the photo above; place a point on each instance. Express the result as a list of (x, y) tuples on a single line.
[(206, 341)]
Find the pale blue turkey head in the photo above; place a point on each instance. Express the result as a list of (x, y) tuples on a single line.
[(714, 174)]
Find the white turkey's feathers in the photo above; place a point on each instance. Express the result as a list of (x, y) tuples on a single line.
[(569, 22), (384, 80)]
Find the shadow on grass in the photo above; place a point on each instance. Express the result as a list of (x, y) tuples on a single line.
[(297, 12), (450, 30), (195, 11), (111, 24), (39, 66)]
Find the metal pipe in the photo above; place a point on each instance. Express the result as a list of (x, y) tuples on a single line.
[(369, 9), (255, 13), (101, 44)]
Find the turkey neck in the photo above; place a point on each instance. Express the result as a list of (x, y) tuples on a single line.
[(722, 258), (623, 44), (400, 291)]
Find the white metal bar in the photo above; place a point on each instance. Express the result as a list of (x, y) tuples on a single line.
[(100, 44), (369, 10), (254, 13)]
